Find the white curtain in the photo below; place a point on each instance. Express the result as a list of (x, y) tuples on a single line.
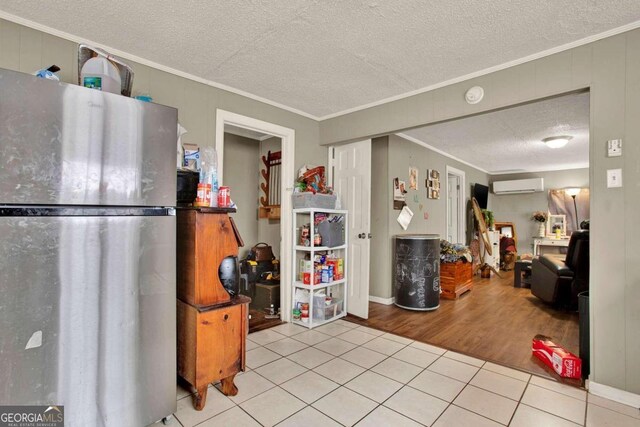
[(560, 203)]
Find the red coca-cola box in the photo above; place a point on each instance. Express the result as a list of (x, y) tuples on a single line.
[(565, 363)]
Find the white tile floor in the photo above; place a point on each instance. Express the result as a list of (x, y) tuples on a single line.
[(344, 374)]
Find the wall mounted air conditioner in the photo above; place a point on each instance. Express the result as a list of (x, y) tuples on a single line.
[(518, 186)]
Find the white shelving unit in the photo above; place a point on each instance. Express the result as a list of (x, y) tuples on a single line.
[(320, 312)]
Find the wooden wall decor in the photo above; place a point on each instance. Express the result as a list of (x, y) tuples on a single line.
[(270, 202), (433, 184)]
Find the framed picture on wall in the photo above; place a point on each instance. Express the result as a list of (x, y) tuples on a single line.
[(433, 184)]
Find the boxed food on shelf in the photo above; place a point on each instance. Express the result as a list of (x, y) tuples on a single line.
[(309, 200), (338, 267), (305, 267), (192, 156), (326, 274), (328, 268)]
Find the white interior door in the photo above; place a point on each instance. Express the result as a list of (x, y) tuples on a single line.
[(352, 182), (456, 215), (453, 187)]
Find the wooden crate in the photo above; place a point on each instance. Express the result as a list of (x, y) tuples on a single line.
[(456, 278)]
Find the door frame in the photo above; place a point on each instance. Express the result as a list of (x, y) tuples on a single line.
[(288, 138), (462, 212)]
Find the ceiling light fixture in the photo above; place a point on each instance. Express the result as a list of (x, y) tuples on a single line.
[(557, 141)]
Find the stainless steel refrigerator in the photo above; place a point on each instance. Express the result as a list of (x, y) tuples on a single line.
[(87, 252)]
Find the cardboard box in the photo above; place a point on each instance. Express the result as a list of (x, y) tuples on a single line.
[(565, 363), (338, 268), (192, 155), (304, 266)]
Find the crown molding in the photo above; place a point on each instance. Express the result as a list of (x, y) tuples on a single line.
[(71, 37), (590, 39), (437, 150), (149, 63)]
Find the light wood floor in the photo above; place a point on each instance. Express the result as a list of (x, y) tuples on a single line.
[(494, 321)]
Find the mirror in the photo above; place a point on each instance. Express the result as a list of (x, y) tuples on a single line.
[(507, 229), (557, 222)]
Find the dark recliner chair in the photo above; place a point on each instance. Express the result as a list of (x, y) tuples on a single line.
[(557, 279)]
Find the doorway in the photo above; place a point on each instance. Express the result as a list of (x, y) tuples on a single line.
[(271, 136), (507, 145), (456, 212), (257, 197)]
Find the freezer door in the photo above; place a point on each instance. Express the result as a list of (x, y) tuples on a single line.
[(88, 315), (67, 145)]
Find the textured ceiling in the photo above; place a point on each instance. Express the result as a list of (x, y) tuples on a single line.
[(324, 57), (510, 141)]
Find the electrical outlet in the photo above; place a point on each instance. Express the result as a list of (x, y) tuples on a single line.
[(614, 148), (614, 178)]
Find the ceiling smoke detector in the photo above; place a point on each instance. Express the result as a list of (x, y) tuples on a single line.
[(474, 95), (557, 141)]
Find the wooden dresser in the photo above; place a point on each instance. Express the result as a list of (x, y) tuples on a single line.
[(212, 325)]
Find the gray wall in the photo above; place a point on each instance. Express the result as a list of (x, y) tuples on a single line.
[(610, 68), (517, 208), (381, 196), (391, 157), (27, 50), (241, 171), (269, 229)]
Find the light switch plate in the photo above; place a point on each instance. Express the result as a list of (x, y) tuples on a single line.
[(614, 148), (614, 178)]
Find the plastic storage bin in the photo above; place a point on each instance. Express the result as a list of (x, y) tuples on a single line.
[(322, 311), (316, 201)]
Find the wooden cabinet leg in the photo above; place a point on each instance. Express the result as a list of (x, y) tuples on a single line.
[(200, 398), (228, 387)]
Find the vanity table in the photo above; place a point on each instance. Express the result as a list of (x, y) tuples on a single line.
[(538, 242)]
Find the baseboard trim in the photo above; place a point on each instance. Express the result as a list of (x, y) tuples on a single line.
[(615, 394), (385, 301)]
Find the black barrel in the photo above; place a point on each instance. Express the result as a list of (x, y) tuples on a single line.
[(583, 323), (416, 271)]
